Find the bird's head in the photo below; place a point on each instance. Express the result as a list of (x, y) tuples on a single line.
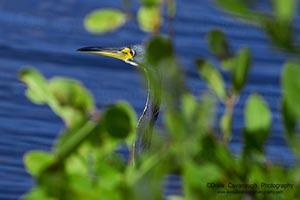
[(132, 54)]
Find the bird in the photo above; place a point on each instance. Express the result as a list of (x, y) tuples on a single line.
[(134, 55)]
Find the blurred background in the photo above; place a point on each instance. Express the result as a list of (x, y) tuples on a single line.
[(46, 34)]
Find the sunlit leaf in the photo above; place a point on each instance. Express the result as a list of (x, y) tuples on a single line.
[(258, 120), (149, 18), (71, 100), (83, 184), (241, 68), (257, 114), (37, 194), (104, 20), (189, 107), (175, 197), (37, 86), (71, 93), (218, 44), (200, 175), (212, 77), (284, 10), (66, 97), (225, 124), (110, 176), (228, 64), (36, 161)]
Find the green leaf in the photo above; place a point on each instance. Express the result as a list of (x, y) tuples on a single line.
[(37, 86), (158, 49), (71, 100), (37, 194), (225, 124), (72, 93), (225, 158), (285, 10), (199, 175), (241, 68), (75, 136), (206, 114), (83, 186), (258, 120), (119, 120), (174, 124), (54, 181), (228, 64), (294, 174), (212, 77), (257, 115), (289, 118), (77, 164), (36, 161), (175, 197), (233, 6), (104, 20), (66, 97), (110, 176), (281, 34), (149, 18), (290, 127), (291, 104), (151, 2), (189, 107), (218, 44), (291, 87), (256, 174), (240, 9)]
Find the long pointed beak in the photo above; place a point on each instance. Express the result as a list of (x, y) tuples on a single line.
[(109, 52)]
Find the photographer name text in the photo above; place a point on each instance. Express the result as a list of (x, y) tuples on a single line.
[(252, 186)]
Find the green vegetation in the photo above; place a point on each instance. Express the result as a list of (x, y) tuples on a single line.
[(84, 165), (111, 19)]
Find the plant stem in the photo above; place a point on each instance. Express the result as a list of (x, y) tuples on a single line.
[(70, 145)]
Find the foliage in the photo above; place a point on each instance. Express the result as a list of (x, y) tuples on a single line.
[(111, 19), (84, 165), (66, 97), (277, 24)]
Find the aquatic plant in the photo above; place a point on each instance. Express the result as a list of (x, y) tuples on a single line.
[(84, 164)]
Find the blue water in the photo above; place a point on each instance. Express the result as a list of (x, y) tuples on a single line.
[(45, 34)]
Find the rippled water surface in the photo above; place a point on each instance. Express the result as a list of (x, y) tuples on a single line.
[(45, 34)]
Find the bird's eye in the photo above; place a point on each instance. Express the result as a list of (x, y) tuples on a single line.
[(132, 53)]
